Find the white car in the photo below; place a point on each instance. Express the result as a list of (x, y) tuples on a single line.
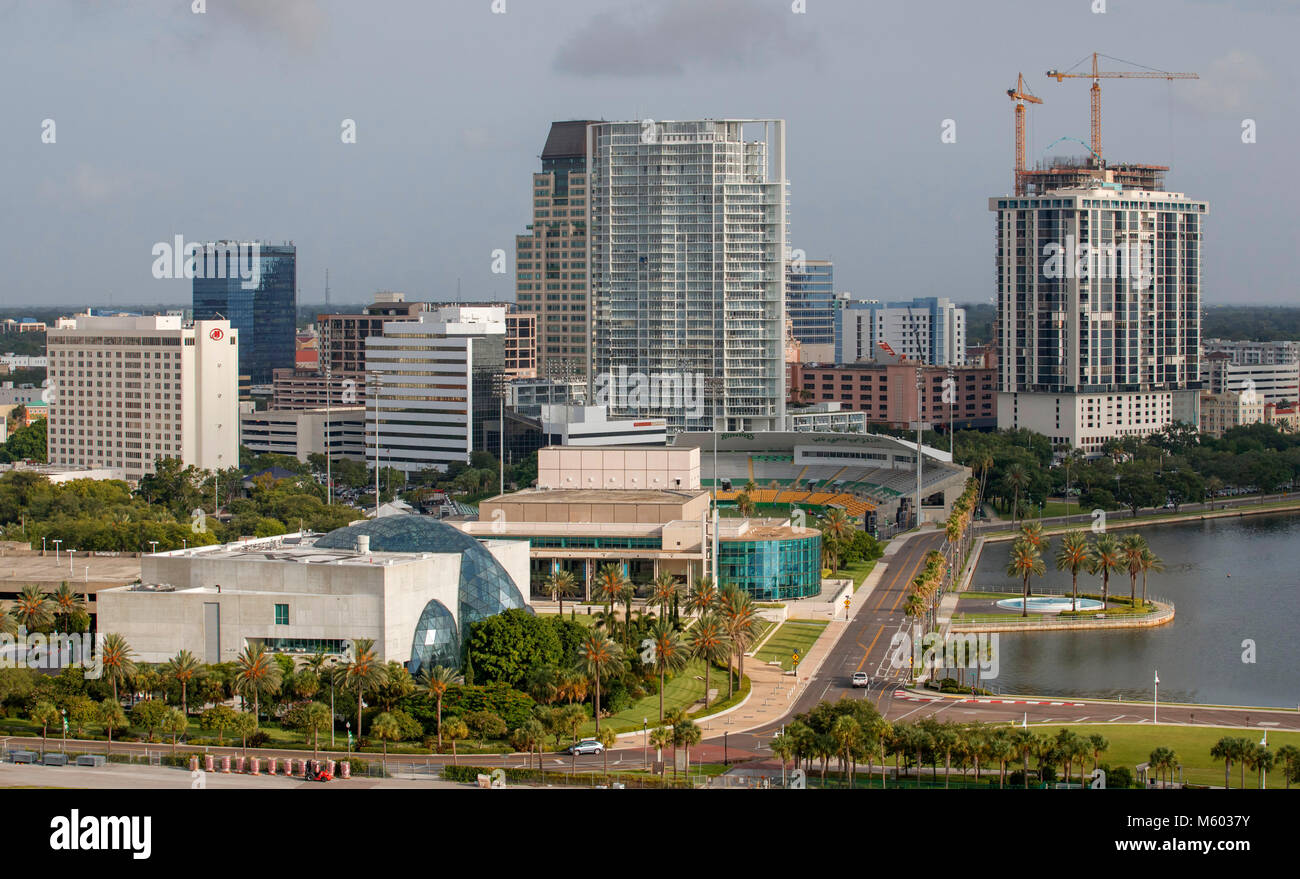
[(860, 679)]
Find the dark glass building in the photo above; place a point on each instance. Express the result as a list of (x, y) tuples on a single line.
[(810, 301), (262, 304)]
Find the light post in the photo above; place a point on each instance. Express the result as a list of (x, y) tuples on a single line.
[(349, 726), (333, 663), (64, 712), (42, 547), (645, 743), (1155, 704), (153, 547), (56, 550), (70, 553)]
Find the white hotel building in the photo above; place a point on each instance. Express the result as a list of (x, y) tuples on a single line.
[(127, 390), (1087, 356)]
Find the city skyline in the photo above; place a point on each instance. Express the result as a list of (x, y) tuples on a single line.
[(435, 183)]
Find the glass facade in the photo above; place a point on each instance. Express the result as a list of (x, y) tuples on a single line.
[(485, 586), (810, 302), (265, 316), (772, 569)]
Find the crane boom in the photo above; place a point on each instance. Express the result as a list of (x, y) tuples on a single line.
[(1020, 94), (1098, 74)]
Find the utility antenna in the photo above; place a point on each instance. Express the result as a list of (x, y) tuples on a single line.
[(327, 289)]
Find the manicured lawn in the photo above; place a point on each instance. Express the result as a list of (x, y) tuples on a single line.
[(682, 690), (858, 571), (581, 618), (793, 636), (1131, 744)]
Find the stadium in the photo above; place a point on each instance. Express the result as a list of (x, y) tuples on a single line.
[(872, 477)]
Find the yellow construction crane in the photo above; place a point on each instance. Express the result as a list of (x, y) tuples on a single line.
[(1096, 75), (1020, 94)]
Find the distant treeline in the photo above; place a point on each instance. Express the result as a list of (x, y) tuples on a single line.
[(1265, 323)]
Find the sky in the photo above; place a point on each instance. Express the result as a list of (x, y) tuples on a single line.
[(228, 124)]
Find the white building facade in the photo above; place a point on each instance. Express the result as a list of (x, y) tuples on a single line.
[(687, 251), (128, 390), (929, 330)]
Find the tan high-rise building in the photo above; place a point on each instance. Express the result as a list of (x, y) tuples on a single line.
[(127, 390), (551, 274)]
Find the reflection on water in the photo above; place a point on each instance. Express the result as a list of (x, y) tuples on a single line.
[(1232, 580)]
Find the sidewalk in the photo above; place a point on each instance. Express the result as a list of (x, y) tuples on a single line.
[(773, 692)]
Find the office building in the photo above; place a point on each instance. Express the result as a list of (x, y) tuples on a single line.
[(688, 253), (551, 276), (343, 336), (435, 383), (1099, 295), (812, 308), (1247, 352), (885, 392), (566, 425), (929, 330), (1222, 411), (129, 390), (1277, 382), (261, 305), (302, 432)]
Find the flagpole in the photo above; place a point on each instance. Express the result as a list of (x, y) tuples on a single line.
[(1155, 708)]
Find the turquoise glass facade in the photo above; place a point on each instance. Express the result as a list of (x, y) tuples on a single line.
[(772, 569)]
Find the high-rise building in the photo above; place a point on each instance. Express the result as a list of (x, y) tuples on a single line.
[(435, 383), (343, 336), (927, 329), (1099, 296), (1249, 352), (262, 308), (128, 390), (688, 254), (812, 308), (551, 277)]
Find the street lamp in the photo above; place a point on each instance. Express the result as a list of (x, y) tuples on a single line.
[(64, 712), (349, 726), (56, 549), (645, 744), (153, 547), (42, 547), (70, 570)]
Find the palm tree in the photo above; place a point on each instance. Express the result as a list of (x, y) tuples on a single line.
[(783, 746), (1261, 760), (686, 733), (69, 609), (115, 655), (317, 719), (1001, 749), (1022, 742), (257, 673), (836, 529), (1289, 757), (1163, 760), (183, 667), (386, 728), (1106, 559), (1228, 749), (1016, 478), (709, 640), (662, 737), (599, 657), (560, 583), (1032, 533), (670, 653), (174, 723), (945, 741), (739, 617), (702, 596), (43, 714), (1075, 555), (1131, 549), (1150, 563), (1026, 561), (111, 717), (847, 733), (1099, 745), (363, 672), (8, 625), (663, 592), (610, 583), (33, 609)]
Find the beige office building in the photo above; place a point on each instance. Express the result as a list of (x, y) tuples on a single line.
[(127, 390)]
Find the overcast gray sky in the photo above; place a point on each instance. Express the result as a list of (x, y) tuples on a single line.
[(227, 124)]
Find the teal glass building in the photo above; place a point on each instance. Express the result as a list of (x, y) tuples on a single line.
[(772, 568)]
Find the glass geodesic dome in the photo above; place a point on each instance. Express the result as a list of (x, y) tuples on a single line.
[(485, 587)]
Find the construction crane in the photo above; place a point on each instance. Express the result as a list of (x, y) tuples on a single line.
[(1097, 75), (1020, 94)]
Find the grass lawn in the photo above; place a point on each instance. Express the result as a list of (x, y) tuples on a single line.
[(793, 636), (1131, 744), (682, 690), (580, 618), (858, 571)]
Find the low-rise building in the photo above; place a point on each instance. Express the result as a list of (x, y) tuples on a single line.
[(303, 432), (1223, 411)]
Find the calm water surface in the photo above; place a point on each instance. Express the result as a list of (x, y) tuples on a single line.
[(1231, 579)]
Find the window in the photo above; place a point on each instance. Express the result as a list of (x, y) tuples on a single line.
[(282, 614)]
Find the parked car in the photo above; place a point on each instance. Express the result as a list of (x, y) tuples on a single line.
[(587, 746), (860, 679)]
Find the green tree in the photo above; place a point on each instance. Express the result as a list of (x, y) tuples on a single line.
[(111, 717), (174, 723), (149, 714), (362, 673), (739, 618), (506, 646), (435, 681), (316, 720), (183, 668), (33, 609), (43, 714), (386, 728), (598, 658), (559, 584), (485, 725), (709, 640), (669, 652), (1026, 561), (454, 729), (1107, 559), (1132, 548), (69, 609), (1074, 556), (245, 724), (115, 656), (257, 675)]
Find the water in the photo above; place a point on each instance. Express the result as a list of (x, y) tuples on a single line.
[(1232, 579)]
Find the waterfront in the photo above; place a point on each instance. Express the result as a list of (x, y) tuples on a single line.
[(1232, 579)]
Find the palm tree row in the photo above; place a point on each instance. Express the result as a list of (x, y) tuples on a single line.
[(63, 610), (1101, 557)]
